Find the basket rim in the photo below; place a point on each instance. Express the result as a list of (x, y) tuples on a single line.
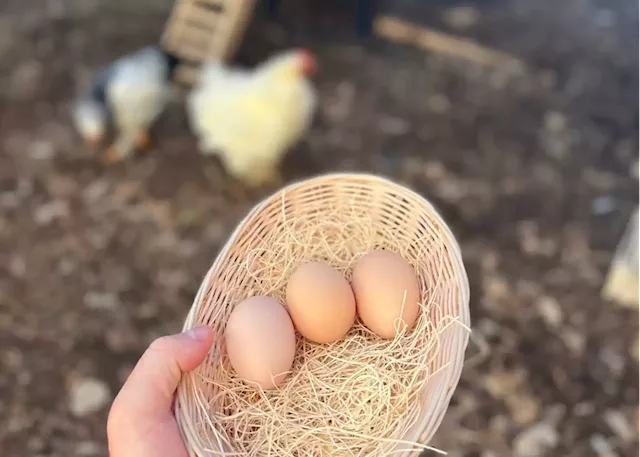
[(452, 375)]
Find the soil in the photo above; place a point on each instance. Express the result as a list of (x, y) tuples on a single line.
[(533, 168)]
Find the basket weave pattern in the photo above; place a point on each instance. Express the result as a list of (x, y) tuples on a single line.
[(397, 209)]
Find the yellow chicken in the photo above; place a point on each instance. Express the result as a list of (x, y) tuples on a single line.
[(251, 118)]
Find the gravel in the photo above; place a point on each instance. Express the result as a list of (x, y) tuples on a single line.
[(96, 260)]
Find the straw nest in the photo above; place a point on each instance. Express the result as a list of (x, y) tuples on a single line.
[(361, 395)]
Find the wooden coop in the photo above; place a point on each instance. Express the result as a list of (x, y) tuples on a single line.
[(201, 30)]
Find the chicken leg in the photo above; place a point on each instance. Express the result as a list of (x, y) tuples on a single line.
[(143, 140)]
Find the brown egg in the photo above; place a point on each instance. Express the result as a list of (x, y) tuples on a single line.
[(380, 280), (320, 302), (260, 341)]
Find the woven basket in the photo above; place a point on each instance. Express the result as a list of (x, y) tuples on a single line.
[(391, 205)]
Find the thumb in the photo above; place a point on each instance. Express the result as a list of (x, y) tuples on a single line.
[(148, 392)]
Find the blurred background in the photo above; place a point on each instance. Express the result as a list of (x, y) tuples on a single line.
[(535, 169)]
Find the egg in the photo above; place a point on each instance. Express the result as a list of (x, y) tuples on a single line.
[(386, 288), (260, 341), (321, 302)]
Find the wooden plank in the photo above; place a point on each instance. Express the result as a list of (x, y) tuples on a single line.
[(187, 74), (214, 7), (197, 23), (191, 53), (192, 11), (197, 38), (401, 31)]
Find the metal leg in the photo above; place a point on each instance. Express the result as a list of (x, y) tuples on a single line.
[(365, 13)]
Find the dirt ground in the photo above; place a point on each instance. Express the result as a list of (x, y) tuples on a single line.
[(533, 169)]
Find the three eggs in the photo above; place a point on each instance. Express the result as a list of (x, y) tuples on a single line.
[(322, 305)]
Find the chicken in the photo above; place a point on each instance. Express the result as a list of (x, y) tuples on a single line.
[(251, 118), (132, 92)]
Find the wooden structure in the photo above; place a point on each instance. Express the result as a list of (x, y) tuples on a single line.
[(200, 30), (621, 284)]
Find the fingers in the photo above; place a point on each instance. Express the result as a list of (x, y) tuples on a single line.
[(148, 393), (140, 421)]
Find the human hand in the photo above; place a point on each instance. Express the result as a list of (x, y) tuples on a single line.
[(141, 421)]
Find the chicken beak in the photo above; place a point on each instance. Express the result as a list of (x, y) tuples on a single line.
[(307, 62)]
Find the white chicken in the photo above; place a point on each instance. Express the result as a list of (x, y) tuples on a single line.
[(132, 91), (251, 118)]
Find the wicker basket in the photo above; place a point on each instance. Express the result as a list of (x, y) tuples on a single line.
[(391, 205)]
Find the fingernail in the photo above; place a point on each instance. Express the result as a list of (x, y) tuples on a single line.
[(199, 333)]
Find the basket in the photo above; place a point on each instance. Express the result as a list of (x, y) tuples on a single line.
[(393, 207)]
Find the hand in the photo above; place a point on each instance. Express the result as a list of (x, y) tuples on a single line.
[(141, 421)]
